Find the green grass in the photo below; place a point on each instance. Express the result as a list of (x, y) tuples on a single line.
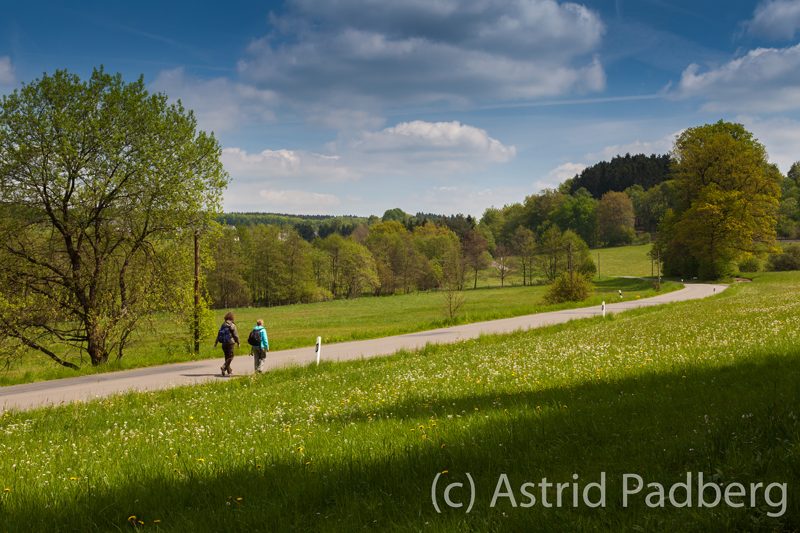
[(613, 262), (704, 386), (624, 261), (341, 320)]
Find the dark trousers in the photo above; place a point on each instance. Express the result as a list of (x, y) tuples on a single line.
[(227, 350)]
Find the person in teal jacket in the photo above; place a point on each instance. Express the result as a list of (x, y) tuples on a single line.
[(260, 351)]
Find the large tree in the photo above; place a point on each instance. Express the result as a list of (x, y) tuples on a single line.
[(727, 205), (615, 218), (524, 245), (98, 182), (476, 253)]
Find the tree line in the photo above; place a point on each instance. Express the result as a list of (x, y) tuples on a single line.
[(266, 265), (712, 207)]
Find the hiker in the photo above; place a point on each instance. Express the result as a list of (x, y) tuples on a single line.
[(260, 344), (227, 337)]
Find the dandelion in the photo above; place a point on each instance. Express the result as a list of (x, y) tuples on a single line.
[(7, 490)]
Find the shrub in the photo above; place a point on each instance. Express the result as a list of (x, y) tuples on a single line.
[(588, 268), (568, 288), (788, 260), (751, 263)]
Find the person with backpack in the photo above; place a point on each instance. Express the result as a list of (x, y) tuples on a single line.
[(227, 337), (260, 344)]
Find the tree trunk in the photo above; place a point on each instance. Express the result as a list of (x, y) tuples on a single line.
[(196, 314), (95, 345)]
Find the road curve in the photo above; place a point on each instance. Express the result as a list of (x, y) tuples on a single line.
[(83, 388)]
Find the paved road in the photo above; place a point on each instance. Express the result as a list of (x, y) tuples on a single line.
[(82, 388)]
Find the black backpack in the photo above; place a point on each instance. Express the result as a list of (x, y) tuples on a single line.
[(254, 339), (225, 335)]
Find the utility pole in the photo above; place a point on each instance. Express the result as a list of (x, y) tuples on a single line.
[(569, 262), (196, 324), (658, 268)]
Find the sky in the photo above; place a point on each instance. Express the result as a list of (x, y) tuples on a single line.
[(439, 106)]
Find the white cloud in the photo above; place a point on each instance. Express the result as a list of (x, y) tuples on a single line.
[(6, 71), (295, 201), (431, 148), (374, 54), (418, 153), (432, 142), (560, 174), (286, 164), (775, 19), (219, 103), (763, 80)]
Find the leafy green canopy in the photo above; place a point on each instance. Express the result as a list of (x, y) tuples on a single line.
[(727, 201), (101, 186)]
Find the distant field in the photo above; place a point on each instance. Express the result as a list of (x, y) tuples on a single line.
[(292, 326), (706, 386), (624, 261), (618, 261)]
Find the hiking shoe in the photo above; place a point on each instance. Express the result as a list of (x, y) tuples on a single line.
[(230, 371), (222, 368)]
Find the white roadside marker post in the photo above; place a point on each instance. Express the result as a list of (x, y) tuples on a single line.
[(603, 308), (318, 349)]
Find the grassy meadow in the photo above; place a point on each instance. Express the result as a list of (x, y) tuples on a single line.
[(623, 261), (704, 386), (166, 341), (617, 261)]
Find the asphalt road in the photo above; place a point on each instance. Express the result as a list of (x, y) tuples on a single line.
[(84, 388)]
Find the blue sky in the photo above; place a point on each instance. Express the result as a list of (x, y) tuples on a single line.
[(447, 106)]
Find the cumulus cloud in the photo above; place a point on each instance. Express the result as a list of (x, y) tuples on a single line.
[(775, 19), (444, 142), (763, 80), (219, 103), (421, 152), (6, 71), (409, 147), (379, 53)]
